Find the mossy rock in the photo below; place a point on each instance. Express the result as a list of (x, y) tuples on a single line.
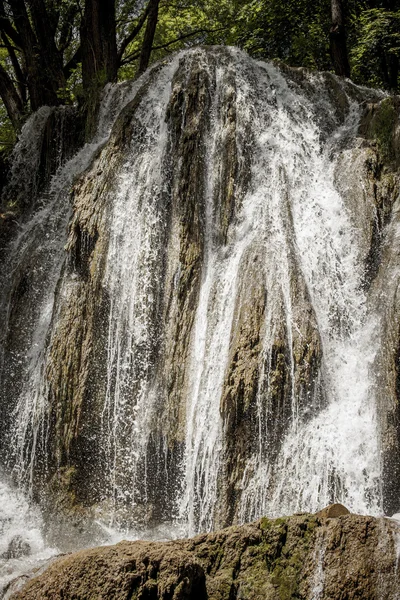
[(271, 559), (378, 124)]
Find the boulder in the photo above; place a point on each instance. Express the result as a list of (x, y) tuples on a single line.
[(305, 556), (332, 511)]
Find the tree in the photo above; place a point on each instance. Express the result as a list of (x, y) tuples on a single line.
[(41, 67), (98, 51), (46, 41), (375, 54), (295, 31), (98, 44), (56, 51), (338, 40), (147, 45), (12, 100), (36, 71)]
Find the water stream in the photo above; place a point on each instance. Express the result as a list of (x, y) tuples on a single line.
[(291, 238)]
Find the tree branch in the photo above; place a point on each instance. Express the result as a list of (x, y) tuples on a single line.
[(9, 46), (148, 38), (21, 82), (66, 28), (136, 55), (132, 34), (12, 100), (73, 62), (9, 30)]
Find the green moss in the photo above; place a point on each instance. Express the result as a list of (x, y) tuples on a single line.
[(265, 524), (285, 579), (285, 547), (312, 524), (383, 127), (222, 584), (254, 582), (280, 521)]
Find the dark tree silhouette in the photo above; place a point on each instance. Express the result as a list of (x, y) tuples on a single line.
[(43, 49), (149, 35), (338, 45)]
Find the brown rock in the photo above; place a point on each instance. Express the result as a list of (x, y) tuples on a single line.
[(332, 511), (300, 557)]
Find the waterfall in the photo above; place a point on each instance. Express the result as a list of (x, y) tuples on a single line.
[(133, 274), (296, 214), (44, 262), (332, 455), (190, 339), (21, 540)]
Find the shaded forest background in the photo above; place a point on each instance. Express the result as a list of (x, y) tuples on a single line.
[(64, 51)]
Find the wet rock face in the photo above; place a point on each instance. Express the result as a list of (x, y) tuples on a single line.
[(367, 176), (47, 141), (78, 346), (329, 557), (193, 329), (380, 215), (259, 378), (187, 116), (17, 548)]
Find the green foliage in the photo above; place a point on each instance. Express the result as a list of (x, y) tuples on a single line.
[(377, 47), (295, 31), (383, 126), (183, 24), (7, 133), (73, 90)]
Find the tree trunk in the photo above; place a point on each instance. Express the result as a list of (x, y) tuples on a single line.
[(151, 25), (99, 55), (41, 86), (99, 45), (11, 99), (50, 57), (338, 41)]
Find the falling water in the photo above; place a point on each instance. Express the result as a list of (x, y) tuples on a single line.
[(319, 575), (40, 245), (132, 279), (292, 206), (210, 344), (334, 455), (22, 546), (290, 233)]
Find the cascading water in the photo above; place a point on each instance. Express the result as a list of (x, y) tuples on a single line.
[(215, 285), (48, 224), (293, 207), (133, 273), (210, 343), (335, 454), (37, 256), (22, 546)]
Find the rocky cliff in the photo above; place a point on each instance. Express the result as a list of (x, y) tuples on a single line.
[(202, 320)]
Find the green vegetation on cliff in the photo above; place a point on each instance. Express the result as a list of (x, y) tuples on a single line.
[(56, 53)]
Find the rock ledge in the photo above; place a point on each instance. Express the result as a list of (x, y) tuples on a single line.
[(322, 556)]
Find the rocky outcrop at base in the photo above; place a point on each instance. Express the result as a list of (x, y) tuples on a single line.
[(308, 557)]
